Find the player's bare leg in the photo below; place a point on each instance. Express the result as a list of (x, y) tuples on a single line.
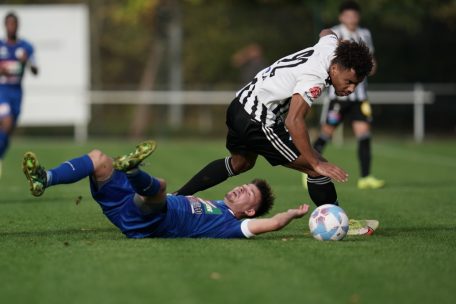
[(6, 128), (362, 133), (243, 162), (325, 136)]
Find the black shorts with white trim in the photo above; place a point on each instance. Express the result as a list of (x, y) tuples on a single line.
[(246, 135)]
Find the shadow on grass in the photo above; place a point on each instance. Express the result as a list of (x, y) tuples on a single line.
[(305, 236), (292, 237), (62, 232), (38, 200), (419, 231), (435, 184)]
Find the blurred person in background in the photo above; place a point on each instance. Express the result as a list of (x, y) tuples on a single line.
[(15, 56), (249, 60), (354, 107)]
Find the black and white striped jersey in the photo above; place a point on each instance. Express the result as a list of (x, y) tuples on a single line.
[(360, 35), (267, 97)]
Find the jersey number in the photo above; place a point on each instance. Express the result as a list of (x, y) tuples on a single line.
[(288, 62)]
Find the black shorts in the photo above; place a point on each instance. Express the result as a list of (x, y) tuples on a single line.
[(352, 110), (246, 135)]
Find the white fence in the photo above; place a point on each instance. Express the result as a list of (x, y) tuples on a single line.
[(417, 97), (75, 111)]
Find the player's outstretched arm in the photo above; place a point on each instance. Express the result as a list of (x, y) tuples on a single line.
[(278, 221), (296, 125)]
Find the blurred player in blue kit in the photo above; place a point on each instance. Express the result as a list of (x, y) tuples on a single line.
[(15, 56), (138, 205)]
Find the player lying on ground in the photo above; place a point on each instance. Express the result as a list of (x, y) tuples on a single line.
[(137, 203), (267, 117)]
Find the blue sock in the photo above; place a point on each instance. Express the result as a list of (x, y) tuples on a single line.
[(4, 141), (70, 171), (143, 183)]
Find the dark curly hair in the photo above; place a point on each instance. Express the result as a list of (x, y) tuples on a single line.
[(349, 5), (356, 56), (267, 197), (11, 15)]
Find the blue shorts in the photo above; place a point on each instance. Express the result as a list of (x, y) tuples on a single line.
[(116, 199), (10, 101)]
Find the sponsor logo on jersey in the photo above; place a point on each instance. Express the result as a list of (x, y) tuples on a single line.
[(210, 208), (198, 205), (195, 205), (315, 92)]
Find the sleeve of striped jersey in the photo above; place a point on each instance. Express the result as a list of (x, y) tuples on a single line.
[(309, 90), (328, 40), (368, 40)]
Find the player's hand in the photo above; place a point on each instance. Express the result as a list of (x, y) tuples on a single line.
[(34, 70), (331, 171), (300, 211)]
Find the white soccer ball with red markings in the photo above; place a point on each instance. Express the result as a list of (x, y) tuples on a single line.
[(328, 223)]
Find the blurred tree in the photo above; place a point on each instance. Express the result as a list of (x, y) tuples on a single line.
[(407, 35), (143, 13)]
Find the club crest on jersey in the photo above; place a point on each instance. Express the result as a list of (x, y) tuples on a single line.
[(315, 92)]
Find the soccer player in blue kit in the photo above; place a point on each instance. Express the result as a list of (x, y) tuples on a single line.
[(15, 55), (138, 205)]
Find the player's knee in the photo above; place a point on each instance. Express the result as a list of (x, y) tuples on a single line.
[(327, 131), (100, 160), (363, 136), (162, 185), (242, 164), (6, 124)]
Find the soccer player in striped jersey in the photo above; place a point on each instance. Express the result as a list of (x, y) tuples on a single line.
[(355, 106), (137, 203), (267, 116)]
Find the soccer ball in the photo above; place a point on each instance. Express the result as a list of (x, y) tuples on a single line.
[(328, 223)]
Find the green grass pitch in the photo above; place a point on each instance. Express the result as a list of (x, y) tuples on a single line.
[(53, 250)]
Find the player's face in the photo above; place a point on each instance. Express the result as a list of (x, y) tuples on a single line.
[(244, 197), (11, 27), (350, 18), (343, 80)]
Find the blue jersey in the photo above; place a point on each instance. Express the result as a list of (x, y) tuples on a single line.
[(184, 216), (189, 216), (12, 63)]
